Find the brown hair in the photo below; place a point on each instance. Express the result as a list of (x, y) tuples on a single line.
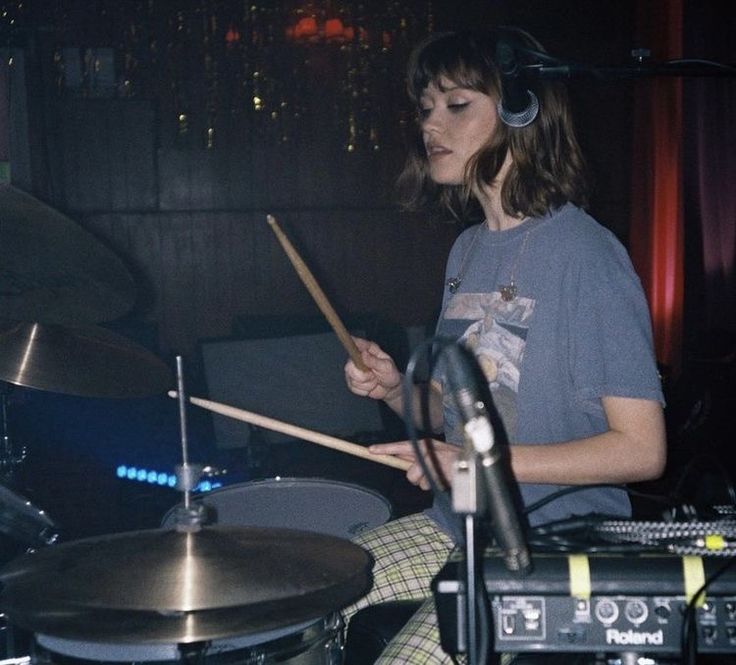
[(547, 167)]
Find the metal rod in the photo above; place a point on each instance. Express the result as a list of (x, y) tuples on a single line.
[(183, 425)]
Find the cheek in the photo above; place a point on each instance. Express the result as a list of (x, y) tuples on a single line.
[(481, 133)]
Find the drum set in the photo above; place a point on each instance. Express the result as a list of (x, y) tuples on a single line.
[(251, 573)]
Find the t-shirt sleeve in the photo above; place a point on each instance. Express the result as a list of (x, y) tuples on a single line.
[(611, 350)]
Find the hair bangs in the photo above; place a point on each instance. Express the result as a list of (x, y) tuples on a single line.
[(448, 57)]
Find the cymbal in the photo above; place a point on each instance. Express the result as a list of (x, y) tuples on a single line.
[(166, 585), (52, 270), (87, 361)]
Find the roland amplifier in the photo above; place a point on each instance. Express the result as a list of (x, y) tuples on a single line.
[(594, 603)]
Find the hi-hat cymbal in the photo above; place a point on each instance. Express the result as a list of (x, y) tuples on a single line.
[(170, 586), (85, 361), (52, 270)]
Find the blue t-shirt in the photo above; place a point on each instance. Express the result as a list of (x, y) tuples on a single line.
[(578, 329)]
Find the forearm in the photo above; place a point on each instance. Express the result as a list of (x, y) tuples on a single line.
[(395, 401)]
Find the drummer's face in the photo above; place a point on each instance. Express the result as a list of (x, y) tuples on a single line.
[(456, 123)]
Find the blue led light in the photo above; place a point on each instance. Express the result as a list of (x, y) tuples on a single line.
[(160, 478)]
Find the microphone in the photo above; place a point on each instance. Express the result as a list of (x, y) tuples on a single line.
[(518, 106), (461, 368)]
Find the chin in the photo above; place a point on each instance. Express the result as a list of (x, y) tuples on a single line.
[(440, 178)]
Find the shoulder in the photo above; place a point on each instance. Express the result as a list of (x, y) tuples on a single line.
[(575, 238), (574, 227)]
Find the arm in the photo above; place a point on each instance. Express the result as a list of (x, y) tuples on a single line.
[(631, 450)]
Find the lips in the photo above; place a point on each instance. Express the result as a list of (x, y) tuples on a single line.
[(435, 150)]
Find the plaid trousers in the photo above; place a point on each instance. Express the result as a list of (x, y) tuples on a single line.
[(408, 553)]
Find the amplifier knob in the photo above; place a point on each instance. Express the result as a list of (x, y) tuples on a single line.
[(636, 611), (606, 611)]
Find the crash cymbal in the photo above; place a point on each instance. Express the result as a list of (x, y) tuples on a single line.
[(85, 361), (167, 585), (52, 270)]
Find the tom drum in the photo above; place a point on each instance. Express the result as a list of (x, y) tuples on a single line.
[(310, 504)]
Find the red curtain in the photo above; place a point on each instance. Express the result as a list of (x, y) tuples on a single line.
[(656, 240)]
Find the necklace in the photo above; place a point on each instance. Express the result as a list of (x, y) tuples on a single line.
[(508, 291), (453, 284)]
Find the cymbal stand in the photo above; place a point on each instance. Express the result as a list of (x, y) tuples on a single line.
[(189, 516), (10, 458)]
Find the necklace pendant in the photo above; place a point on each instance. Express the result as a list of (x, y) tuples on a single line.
[(508, 292), (454, 284)]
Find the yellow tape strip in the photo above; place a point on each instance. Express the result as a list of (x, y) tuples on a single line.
[(579, 569), (693, 573)]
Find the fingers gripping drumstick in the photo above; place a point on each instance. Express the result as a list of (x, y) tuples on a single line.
[(297, 432), (316, 292)]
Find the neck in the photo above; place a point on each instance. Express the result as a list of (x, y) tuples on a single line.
[(490, 199), (496, 218)]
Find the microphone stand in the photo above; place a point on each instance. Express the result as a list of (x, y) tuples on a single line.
[(468, 500), (554, 68)]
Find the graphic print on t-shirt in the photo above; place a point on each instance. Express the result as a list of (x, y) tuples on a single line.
[(496, 333)]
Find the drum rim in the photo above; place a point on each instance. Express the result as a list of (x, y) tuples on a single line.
[(289, 640), (308, 480)]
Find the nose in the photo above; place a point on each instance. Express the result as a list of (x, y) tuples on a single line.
[(431, 121)]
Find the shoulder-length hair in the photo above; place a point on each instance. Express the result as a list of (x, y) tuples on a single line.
[(547, 168)]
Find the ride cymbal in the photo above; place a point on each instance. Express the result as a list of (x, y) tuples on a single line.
[(53, 271), (85, 361)]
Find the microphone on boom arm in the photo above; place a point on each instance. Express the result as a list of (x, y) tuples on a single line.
[(499, 482)]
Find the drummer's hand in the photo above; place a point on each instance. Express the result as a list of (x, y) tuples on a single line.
[(382, 380), (440, 459)]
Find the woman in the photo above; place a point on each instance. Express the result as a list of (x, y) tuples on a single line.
[(543, 295)]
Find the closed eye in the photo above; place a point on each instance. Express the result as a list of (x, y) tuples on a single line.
[(458, 107)]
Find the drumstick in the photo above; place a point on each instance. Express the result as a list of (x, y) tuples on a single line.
[(316, 292), (296, 431)]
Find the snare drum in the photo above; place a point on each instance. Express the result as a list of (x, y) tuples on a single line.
[(310, 504), (310, 643)]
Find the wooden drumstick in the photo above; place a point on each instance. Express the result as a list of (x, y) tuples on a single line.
[(316, 292), (296, 431)]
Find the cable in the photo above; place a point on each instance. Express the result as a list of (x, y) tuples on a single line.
[(568, 490), (435, 346)]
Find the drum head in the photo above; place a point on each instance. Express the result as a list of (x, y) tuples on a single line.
[(310, 504)]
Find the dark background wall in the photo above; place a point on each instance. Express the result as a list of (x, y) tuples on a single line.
[(189, 222)]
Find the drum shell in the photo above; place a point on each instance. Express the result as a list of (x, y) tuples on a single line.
[(310, 643)]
